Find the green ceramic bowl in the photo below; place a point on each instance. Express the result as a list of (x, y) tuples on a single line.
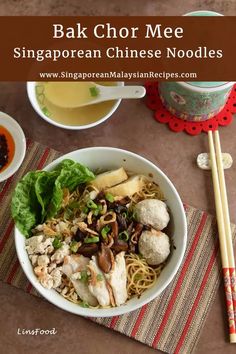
[(195, 101)]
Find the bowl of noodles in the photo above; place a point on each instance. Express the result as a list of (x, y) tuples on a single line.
[(99, 232)]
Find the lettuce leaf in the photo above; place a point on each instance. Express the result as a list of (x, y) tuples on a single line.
[(25, 208), (39, 194), (71, 175), (44, 189)]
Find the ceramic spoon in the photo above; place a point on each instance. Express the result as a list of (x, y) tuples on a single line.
[(79, 94)]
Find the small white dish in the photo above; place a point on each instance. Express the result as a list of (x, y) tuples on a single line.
[(107, 158), (20, 145), (33, 100)]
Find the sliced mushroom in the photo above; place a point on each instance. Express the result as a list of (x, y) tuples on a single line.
[(125, 200), (135, 236), (119, 246), (105, 259), (79, 236), (120, 208), (130, 228), (109, 241), (88, 250), (122, 222), (115, 230)]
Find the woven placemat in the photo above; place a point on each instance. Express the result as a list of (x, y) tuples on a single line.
[(173, 321)]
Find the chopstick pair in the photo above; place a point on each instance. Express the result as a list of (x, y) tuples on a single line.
[(224, 229)]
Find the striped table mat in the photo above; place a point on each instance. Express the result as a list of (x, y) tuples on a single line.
[(172, 322)]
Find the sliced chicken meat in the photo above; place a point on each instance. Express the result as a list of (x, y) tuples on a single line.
[(72, 266), (97, 283), (117, 279)]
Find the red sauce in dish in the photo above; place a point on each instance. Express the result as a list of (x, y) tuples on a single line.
[(7, 148)]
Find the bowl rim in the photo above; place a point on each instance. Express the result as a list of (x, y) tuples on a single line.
[(219, 88), (115, 311), (15, 164), (30, 85)]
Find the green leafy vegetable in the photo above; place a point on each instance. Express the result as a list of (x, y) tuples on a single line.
[(71, 175), (39, 194), (44, 188), (25, 208), (57, 242)]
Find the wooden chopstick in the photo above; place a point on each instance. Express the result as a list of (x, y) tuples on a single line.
[(228, 233), (223, 222)]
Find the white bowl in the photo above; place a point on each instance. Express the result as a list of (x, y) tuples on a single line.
[(33, 100), (20, 145), (110, 158)]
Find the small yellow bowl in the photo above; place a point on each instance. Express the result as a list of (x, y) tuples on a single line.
[(34, 102)]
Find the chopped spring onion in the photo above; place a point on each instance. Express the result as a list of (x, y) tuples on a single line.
[(84, 304), (123, 236), (39, 89), (99, 277), (124, 214), (57, 243), (109, 197), (93, 91), (100, 207), (84, 276), (98, 210), (91, 204), (131, 215), (91, 239), (46, 111), (105, 231), (74, 246), (85, 210)]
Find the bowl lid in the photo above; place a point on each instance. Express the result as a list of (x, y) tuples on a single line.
[(206, 84)]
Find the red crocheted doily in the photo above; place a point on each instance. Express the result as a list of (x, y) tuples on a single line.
[(162, 115)]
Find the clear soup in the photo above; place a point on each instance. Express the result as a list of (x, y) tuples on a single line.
[(73, 116)]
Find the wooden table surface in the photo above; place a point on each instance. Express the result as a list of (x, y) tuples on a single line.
[(174, 153)]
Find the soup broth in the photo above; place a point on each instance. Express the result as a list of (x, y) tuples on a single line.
[(73, 116)]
